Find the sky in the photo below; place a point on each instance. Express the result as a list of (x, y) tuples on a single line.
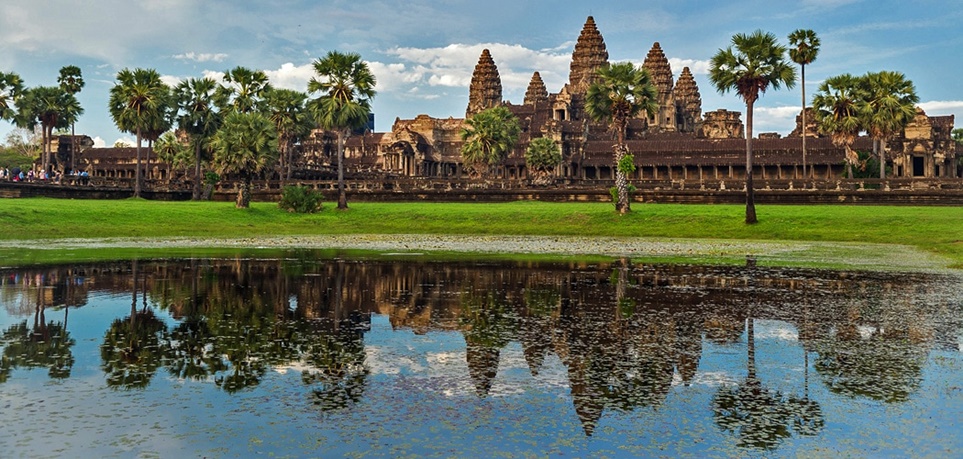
[(422, 52)]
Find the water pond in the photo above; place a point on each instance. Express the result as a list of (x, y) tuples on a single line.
[(306, 356)]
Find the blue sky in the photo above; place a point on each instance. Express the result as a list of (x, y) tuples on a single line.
[(423, 52)]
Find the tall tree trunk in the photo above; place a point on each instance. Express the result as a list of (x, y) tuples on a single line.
[(45, 139), (197, 170), (882, 158), (244, 194), (621, 182), (150, 148), (750, 196), (342, 198), (287, 162), (804, 127), (137, 169), (73, 149)]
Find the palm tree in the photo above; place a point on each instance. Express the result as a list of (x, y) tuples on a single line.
[(541, 158), (198, 117), (11, 88), (174, 153), (890, 104), (71, 80), (45, 105), (621, 93), (285, 108), (161, 123), (803, 48), (489, 136), (750, 66), (70, 112), (135, 103), (839, 112), (245, 145), (347, 87), (244, 89)]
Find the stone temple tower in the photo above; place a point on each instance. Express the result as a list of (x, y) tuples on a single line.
[(537, 93), (486, 86), (688, 103), (589, 55), (660, 71)]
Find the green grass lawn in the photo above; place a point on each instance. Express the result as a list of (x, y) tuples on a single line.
[(937, 230)]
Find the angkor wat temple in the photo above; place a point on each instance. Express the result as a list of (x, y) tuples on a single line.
[(679, 143)]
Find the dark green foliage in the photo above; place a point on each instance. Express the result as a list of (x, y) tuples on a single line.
[(300, 199), (614, 192), (489, 135), (627, 164)]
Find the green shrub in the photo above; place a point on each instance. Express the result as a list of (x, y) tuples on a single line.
[(627, 164), (300, 199), (614, 192)]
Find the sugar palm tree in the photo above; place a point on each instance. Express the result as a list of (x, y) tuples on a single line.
[(174, 153), (749, 67), (489, 136), (621, 92), (285, 108), (70, 112), (890, 104), (803, 49), (71, 80), (347, 86), (243, 89), (161, 123), (198, 116), (839, 112), (542, 157), (135, 102), (245, 145), (45, 106), (11, 88)]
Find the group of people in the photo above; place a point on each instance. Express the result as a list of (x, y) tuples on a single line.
[(18, 175)]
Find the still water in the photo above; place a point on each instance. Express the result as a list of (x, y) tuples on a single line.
[(306, 357)]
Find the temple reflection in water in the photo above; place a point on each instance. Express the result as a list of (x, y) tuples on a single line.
[(626, 334)]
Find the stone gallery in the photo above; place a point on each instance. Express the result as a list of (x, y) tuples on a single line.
[(678, 143)]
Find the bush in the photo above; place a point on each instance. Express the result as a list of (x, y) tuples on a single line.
[(614, 192), (300, 199)]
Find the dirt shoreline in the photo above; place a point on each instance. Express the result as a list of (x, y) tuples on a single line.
[(883, 257)]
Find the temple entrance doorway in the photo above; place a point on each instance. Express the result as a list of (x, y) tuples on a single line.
[(918, 166)]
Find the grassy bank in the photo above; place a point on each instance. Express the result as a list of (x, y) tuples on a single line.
[(937, 230)]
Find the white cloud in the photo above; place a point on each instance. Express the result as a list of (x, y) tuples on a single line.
[(99, 142), (214, 75), (171, 81), (774, 119), (201, 57), (697, 67), (452, 66), (936, 107), (291, 76), (125, 142)]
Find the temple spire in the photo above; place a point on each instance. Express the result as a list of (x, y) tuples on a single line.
[(688, 102), (589, 55), (536, 93), (486, 86)]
